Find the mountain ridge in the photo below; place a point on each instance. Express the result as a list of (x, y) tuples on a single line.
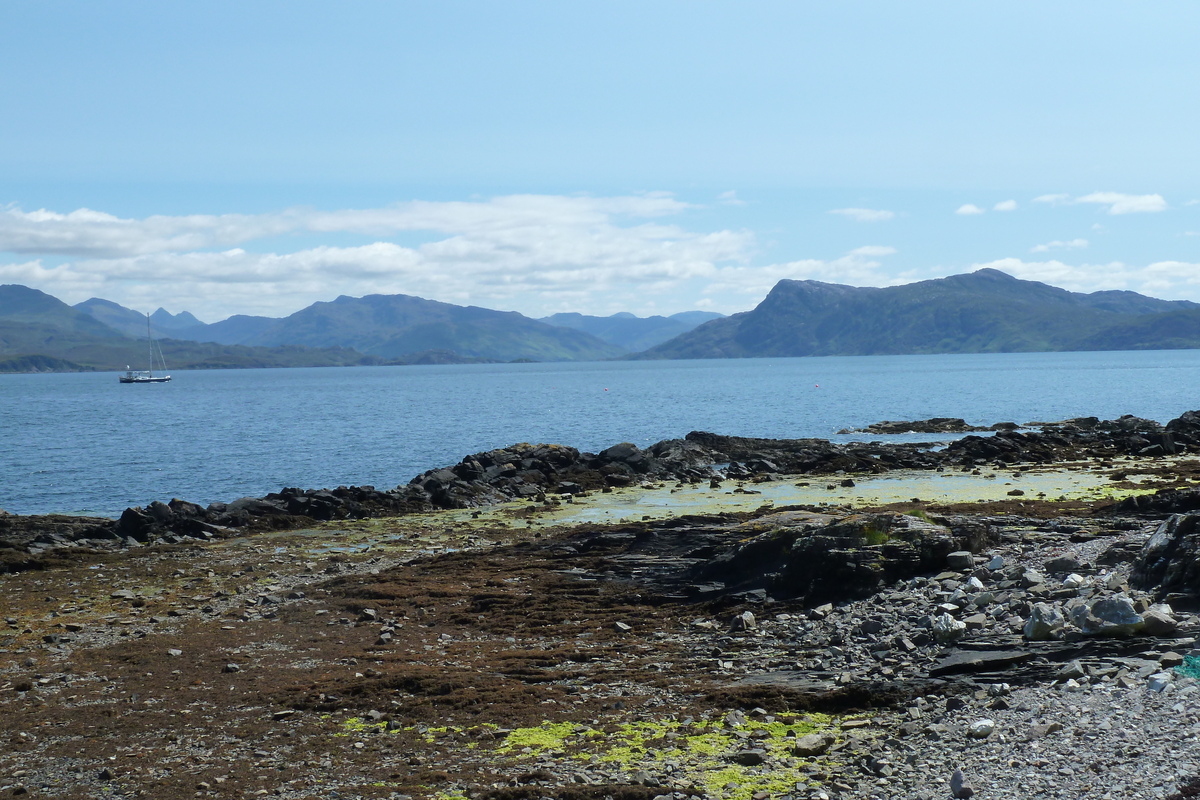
[(630, 332), (983, 311)]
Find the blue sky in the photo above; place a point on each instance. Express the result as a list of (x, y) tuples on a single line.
[(652, 157)]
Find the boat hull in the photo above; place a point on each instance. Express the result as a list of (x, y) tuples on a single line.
[(144, 379)]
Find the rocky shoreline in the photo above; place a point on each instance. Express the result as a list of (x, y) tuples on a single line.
[(536, 472), (350, 643)]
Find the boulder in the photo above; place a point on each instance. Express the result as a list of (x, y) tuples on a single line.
[(959, 787), (947, 629), (1170, 560), (981, 728), (1045, 622), (1112, 616), (813, 744), (1159, 621), (135, 524), (960, 561), (1063, 564)]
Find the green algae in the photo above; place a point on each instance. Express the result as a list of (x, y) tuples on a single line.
[(697, 752), (549, 736)]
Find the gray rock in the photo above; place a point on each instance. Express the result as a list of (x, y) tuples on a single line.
[(814, 744), (1158, 622), (1062, 564), (960, 561), (1159, 682), (1030, 578), (1113, 616), (959, 787), (1045, 622), (744, 621), (751, 757), (1073, 669), (1170, 660)]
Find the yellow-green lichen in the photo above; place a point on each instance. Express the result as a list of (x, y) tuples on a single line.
[(547, 736), (700, 752)]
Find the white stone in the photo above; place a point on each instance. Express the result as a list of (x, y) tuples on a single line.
[(981, 728), (1159, 681), (947, 629)]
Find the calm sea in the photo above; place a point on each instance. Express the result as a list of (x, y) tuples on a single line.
[(83, 443)]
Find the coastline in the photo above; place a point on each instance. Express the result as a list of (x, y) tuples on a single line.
[(481, 632)]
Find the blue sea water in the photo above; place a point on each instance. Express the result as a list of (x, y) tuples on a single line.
[(83, 443)]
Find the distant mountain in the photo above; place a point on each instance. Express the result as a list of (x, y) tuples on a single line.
[(238, 329), (39, 333), (629, 332), (398, 326), (979, 312), (133, 323), (21, 306)]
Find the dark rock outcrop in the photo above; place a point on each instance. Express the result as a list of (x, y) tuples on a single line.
[(1170, 561), (931, 425), (820, 561)]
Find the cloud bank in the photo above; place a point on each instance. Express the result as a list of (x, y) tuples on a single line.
[(537, 254)]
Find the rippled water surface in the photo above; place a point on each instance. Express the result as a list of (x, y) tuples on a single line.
[(83, 443)]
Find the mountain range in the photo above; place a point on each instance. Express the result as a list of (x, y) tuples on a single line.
[(631, 333), (982, 311), (40, 333)]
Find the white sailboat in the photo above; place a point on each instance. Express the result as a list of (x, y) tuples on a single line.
[(147, 375)]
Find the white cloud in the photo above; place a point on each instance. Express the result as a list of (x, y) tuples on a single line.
[(968, 209), (859, 267), (865, 214), (1074, 244), (527, 252), (1005, 205), (730, 198), (1126, 203), (1166, 279), (1117, 202), (92, 233)]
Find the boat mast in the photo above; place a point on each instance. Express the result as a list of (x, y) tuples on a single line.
[(150, 345)]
